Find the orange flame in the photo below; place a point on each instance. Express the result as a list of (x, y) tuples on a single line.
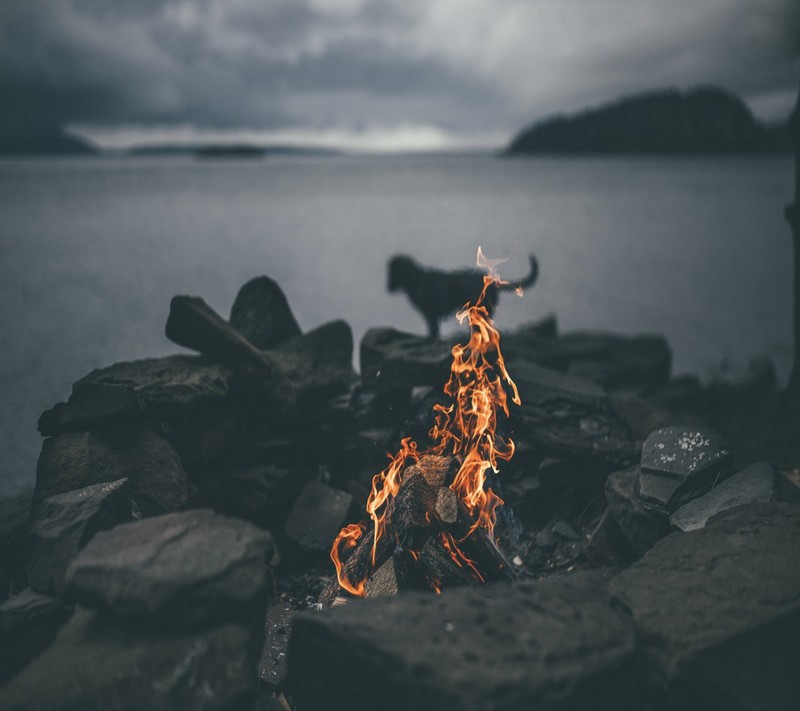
[(465, 429)]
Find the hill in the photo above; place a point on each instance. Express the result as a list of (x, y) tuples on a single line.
[(703, 120)]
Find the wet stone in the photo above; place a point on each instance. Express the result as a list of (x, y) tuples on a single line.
[(274, 664), (757, 483), (679, 464), (503, 646), (718, 612), (318, 514), (28, 623), (180, 570), (63, 524)]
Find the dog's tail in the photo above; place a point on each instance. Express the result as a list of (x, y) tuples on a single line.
[(528, 281)]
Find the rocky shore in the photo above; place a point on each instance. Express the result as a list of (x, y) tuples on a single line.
[(175, 546)]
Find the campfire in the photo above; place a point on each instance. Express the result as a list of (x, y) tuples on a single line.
[(431, 514)]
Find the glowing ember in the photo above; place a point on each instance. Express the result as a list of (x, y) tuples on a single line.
[(466, 429)]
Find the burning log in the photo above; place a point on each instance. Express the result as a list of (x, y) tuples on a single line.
[(440, 570), (446, 505), (389, 579)]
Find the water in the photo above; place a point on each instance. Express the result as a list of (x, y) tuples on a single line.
[(92, 250)]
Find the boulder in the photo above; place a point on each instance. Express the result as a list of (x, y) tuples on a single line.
[(757, 483), (28, 623), (114, 665), (181, 570), (718, 612), (680, 463), (74, 460), (262, 314), (318, 514), (166, 385), (63, 524), (524, 646), (640, 526), (93, 405), (569, 417), (391, 359), (192, 323)]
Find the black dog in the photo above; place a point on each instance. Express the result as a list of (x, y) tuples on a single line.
[(436, 294)]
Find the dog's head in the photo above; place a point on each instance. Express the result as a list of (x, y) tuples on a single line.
[(401, 272)]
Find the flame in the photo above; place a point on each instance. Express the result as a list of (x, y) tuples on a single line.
[(466, 429)]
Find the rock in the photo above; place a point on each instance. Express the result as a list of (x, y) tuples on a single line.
[(640, 416), (391, 359), (74, 460), (571, 417), (718, 612), (640, 526), (274, 664), (679, 464), (262, 314), (28, 623), (318, 514), (101, 663), (63, 524), (757, 483), (262, 494), (14, 514), (166, 385), (192, 323), (509, 647), (181, 570), (91, 405)]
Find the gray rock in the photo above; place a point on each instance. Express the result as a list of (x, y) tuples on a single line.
[(318, 514), (63, 524), (101, 663), (274, 664), (28, 623), (391, 359), (74, 460), (760, 482), (718, 612), (192, 323), (510, 647), (181, 569), (567, 416), (166, 385), (14, 514), (262, 314), (640, 526), (679, 464), (92, 405)]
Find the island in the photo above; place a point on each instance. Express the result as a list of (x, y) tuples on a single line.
[(701, 120)]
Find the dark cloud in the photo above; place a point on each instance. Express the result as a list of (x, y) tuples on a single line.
[(468, 65)]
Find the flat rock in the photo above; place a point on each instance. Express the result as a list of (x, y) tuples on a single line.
[(63, 524), (509, 647), (680, 463), (568, 416), (93, 405), (274, 664), (101, 663), (74, 460), (718, 612), (181, 569), (262, 314), (392, 359), (28, 623), (758, 483), (318, 514), (166, 385), (640, 526), (192, 323)]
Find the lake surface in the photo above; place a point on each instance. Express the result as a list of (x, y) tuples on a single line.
[(92, 250)]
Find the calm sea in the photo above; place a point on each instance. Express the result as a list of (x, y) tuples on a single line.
[(91, 250)]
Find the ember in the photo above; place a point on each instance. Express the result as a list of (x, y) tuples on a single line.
[(432, 514)]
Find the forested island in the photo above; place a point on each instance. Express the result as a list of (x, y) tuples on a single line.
[(702, 120)]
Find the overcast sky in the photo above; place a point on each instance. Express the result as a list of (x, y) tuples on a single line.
[(378, 74)]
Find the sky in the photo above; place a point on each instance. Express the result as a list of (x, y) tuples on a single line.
[(375, 75)]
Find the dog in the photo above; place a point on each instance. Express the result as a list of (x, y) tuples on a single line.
[(437, 294)]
